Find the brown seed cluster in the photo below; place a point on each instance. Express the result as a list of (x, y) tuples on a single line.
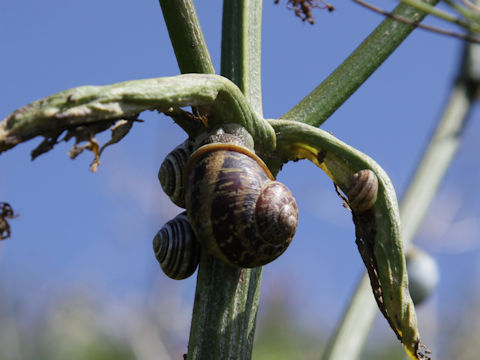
[(6, 212), (303, 8)]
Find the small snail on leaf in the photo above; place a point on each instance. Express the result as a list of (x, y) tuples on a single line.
[(237, 210), (362, 190)]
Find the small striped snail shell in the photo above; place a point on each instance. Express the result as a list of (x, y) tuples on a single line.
[(238, 212), (176, 248), (170, 174), (423, 274), (362, 192)]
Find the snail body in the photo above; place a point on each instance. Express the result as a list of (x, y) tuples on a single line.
[(176, 248), (363, 189), (239, 213)]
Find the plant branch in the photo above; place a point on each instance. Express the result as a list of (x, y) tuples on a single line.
[(420, 5), (226, 300), (93, 104), (359, 316), (241, 45), (186, 36), (466, 37), (317, 106)]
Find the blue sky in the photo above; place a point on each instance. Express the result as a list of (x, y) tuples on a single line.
[(94, 231)]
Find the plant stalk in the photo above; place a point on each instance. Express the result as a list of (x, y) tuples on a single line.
[(226, 299), (186, 36)]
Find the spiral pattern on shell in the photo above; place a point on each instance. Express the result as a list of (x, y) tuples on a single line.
[(176, 248), (363, 189), (170, 174), (237, 210)]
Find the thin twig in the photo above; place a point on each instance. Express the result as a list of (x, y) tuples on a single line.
[(471, 6), (466, 37)]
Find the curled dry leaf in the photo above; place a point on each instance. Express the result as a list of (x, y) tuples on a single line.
[(303, 8), (6, 212), (377, 226), (119, 130)]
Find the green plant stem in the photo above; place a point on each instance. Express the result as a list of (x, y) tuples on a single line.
[(358, 318), (324, 100), (186, 36), (353, 331), (241, 43), (226, 299)]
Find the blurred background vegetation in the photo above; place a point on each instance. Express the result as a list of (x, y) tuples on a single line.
[(81, 325)]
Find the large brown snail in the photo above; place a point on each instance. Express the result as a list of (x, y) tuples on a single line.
[(237, 210)]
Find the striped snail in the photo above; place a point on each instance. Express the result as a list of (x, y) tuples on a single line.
[(362, 191), (170, 174), (176, 248), (238, 212)]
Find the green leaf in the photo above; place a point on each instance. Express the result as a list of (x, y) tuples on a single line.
[(377, 230)]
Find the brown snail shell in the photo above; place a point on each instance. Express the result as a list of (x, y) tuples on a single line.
[(170, 174), (176, 248), (363, 189), (237, 210)]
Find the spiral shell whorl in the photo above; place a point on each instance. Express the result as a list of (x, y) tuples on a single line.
[(176, 248), (362, 193), (170, 174), (276, 213)]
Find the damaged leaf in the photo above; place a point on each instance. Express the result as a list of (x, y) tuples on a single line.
[(119, 130), (85, 105), (86, 134), (377, 229)]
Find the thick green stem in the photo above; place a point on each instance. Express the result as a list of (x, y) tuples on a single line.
[(186, 36), (226, 299), (241, 42), (352, 333), (324, 100)]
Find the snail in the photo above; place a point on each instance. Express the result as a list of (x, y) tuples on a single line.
[(176, 248), (170, 174), (363, 189), (423, 274), (238, 212)]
